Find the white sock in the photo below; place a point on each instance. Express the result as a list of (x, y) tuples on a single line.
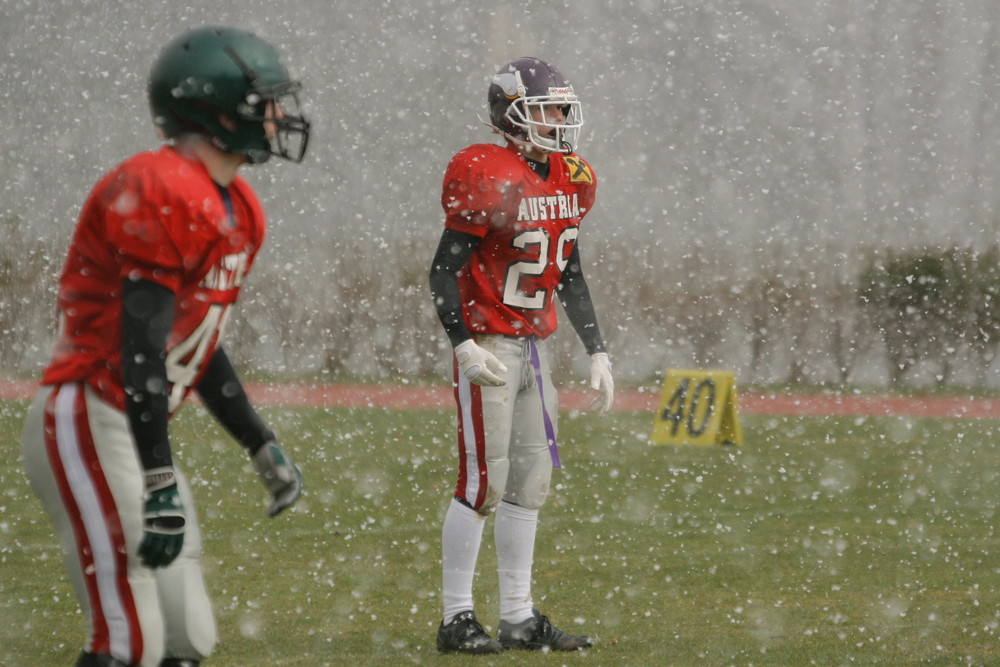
[(514, 534), (460, 538)]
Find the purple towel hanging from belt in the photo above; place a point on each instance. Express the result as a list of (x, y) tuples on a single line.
[(550, 433)]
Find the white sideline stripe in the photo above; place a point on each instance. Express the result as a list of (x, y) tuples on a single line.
[(93, 520)]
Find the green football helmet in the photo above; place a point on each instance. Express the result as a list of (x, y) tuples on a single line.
[(217, 82)]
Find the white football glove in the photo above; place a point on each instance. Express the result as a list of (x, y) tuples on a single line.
[(281, 477), (601, 380), (478, 365)]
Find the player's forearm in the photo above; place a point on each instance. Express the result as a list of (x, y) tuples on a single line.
[(574, 294), (584, 320), (224, 396), (452, 254), (147, 312), (449, 309)]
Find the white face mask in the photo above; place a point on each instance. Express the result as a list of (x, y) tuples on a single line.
[(543, 129)]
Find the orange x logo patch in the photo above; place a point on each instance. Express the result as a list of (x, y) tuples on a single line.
[(579, 172)]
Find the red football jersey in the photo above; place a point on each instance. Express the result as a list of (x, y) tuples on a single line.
[(528, 227), (157, 216)]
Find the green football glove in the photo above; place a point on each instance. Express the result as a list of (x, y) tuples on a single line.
[(281, 477), (163, 518)]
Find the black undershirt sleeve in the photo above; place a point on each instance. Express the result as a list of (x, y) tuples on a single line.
[(453, 252), (147, 315), (224, 396), (575, 298)]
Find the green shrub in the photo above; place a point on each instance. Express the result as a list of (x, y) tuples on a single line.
[(933, 305)]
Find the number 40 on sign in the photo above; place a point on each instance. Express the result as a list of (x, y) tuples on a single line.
[(697, 408)]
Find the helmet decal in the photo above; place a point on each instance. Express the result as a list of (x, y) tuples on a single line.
[(508, 83)]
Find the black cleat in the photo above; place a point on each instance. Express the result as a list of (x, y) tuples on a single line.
[(465, 635), (95, 660), (537, 634)]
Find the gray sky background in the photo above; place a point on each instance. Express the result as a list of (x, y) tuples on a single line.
[(755, 126), (734, 140)]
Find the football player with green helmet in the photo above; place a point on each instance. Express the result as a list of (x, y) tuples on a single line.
[(161, 248)]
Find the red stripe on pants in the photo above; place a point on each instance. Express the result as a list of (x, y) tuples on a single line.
[(83, 441), (479, 438)]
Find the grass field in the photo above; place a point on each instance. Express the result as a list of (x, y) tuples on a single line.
[(820, 541)]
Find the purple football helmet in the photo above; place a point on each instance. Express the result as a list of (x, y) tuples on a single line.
[(526, 85)]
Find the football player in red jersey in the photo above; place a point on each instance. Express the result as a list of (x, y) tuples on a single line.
[(157, 259), (509, 248)]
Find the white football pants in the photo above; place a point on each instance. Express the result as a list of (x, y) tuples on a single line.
[(81, 462), (506, 435)]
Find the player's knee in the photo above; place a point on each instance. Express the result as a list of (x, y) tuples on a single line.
[(204, 643), (190, 624), (490, 502), (530, 496), (200, 640)]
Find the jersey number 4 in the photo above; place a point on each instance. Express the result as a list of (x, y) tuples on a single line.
[(186, 360), (514, 292)]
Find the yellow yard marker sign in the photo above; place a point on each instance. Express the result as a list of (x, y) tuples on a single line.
[(697, 408)]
